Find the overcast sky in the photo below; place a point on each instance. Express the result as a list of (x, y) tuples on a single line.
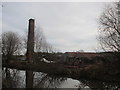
[(68, 26)]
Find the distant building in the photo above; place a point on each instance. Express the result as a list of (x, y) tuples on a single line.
[(80, 54), (79, 57)]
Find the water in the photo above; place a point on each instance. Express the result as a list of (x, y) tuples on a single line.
[(42, 80)]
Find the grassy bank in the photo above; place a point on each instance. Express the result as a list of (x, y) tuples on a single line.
[(94, 71)]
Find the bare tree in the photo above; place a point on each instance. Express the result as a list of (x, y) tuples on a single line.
[(41, 44), (39, 40), (11, 44), (110, 28)]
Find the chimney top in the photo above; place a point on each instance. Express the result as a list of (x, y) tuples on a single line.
[(31, 19)]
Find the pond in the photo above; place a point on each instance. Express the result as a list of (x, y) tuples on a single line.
[(41, 80)]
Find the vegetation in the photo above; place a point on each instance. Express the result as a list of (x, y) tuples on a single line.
[(11, 44), (109, 28), (110, 36)]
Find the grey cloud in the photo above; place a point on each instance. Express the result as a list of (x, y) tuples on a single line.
[(67, 26)]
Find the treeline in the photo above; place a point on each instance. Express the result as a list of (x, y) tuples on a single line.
[(14, 44)]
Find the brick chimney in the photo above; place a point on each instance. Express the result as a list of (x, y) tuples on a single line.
[(30, 53), (30, 42)]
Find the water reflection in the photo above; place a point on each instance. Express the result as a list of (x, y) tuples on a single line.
[(17, 79), (42, 80), (10, 78)]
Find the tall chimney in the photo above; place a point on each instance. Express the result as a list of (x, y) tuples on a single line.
[(30, 43), (30, 53)]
